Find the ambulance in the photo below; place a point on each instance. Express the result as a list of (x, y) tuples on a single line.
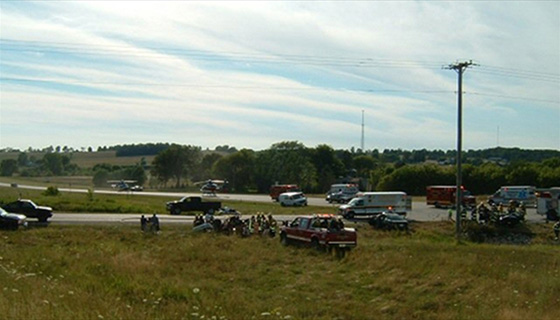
[(525, 194), (368, 204)]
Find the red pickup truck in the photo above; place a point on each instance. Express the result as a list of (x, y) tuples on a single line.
[(321, 231)]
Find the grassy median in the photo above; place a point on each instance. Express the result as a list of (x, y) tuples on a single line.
[(139, 203), (101, 272)]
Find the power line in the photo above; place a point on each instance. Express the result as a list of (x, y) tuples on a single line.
[(271, 88), (219, 56)]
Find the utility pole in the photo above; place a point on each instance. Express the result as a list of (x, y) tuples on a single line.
[(460, 68), (362, 141)]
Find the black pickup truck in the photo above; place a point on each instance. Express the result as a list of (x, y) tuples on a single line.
[(192, 204)]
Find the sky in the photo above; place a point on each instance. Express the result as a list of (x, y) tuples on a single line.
[(250, 74)]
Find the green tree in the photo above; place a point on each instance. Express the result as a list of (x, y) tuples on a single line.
[(522, 173), (100, 177), (327, 166), (8, 167), (204, 168), (53, 163), (22, 159), (237, 168), (137, 173), (285, 162), (413, 179), (175, 162)]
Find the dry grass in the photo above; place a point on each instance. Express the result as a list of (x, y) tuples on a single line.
[(88, 272)]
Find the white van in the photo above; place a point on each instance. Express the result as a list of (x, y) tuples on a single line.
[(292, 199), (372, 203), (505, 194), (342, 192)]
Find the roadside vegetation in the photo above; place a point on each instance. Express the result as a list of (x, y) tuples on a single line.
[(136, 202), (101, 272)]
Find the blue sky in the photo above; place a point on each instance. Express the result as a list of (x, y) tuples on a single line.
[(250, 74)]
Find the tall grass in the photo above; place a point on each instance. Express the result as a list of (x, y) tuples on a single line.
[(89, 272)]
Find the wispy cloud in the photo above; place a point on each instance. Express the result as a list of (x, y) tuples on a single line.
[(250, 74)]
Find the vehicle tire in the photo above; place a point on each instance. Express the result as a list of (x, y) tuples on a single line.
[(42, 219), (315, 244), (284, 240), (350, 215), (176, 211)]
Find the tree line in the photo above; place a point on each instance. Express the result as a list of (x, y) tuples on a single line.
[(314, 169)]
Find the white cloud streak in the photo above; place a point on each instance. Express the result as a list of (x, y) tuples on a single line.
[(273, 71)]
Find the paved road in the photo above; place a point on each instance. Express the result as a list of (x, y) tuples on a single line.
[(420, 211)]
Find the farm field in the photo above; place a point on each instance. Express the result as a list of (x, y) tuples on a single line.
[(87, 159), (102, 272)]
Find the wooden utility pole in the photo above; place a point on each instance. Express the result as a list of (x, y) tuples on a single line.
[(460, 68)]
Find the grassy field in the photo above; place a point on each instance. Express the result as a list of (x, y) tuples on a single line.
[(89, 272), (87, 159)]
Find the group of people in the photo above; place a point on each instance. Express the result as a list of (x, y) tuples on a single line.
[(333, 224), (259, 224), (149, 224), (492, 212)]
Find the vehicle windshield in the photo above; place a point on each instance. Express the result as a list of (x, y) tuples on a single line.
[(296, 196), (356, 202)]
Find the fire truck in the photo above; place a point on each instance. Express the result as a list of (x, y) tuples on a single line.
[(444, 196)]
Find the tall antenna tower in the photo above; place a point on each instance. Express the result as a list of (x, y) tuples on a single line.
[(362, 142)]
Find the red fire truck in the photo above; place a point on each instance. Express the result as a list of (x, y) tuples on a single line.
[(444, 196)]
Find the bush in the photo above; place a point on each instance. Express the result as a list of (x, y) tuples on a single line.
[(51, 191)]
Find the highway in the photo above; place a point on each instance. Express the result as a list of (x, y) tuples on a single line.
[(420, 211)]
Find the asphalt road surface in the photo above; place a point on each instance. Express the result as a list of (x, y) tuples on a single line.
[(420, 211)]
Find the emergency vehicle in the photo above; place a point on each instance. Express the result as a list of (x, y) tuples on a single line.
[(278, 189), (373, 203), (548, 202), (445, 196), (525, 194)]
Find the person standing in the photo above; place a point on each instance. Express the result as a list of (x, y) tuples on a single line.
[(155, 223), (143, 223), (556, 229)]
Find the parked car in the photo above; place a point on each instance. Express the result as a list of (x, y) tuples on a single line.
[(277, 189), (29, 209), (295, 199), (389, 221), (320, 231), (187, 204), (341, 193), (12, 221)]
